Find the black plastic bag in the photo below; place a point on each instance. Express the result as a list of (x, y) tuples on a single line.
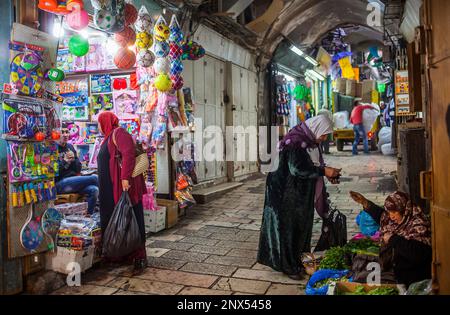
[(334, 231), (122, 235)]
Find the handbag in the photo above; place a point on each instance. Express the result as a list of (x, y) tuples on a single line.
[(334, 231), (141, 164)]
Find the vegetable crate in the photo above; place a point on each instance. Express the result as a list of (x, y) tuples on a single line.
[(351, 288)]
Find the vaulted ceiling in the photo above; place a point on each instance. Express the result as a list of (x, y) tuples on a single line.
[(303, 23)]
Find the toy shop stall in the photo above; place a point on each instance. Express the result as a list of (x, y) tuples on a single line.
[(292, 98), (118, 59)]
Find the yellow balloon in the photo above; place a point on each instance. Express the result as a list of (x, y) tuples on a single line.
[(163, 83)]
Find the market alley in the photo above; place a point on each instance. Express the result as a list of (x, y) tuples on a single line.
[(213, 248)]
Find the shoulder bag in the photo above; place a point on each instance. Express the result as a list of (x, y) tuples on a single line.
[(141, 164)]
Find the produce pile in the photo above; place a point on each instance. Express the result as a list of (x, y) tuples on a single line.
[(378, 291), (329, 281), (335, 258), (363, 246), (339, 258)]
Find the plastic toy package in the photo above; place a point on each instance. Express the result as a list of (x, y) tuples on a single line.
[(159, 133), (148, 200), (32, 192), (185, 198), (26, 73), (78, 232), (125, 102), (101, 83), (23, 118), (29, 161), (132, 125)]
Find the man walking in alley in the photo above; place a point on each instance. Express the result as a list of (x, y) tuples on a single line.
[(356, 119)]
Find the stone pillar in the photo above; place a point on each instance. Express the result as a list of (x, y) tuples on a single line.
[(10, 269)]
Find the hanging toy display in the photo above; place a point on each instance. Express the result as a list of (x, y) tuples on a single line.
[(177, 81), (26, 73), (163, 83), (192, 51), (175, 50), (60, 7), (78, 45), (124, 59), (131, 14), (55, 74), (77, 19), (161, 65), (101, 4), (161, 30), (104, 20), (125, 38), (176, 64), (117, 9), (176, 67), (145, 58), (144, 21), (160, 49), (144, 40)]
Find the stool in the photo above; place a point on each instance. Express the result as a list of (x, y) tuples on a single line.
[(69, 198)]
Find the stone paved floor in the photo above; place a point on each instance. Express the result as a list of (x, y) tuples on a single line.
[(212, 250)]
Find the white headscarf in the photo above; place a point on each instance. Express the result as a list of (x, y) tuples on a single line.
[(319, 126)]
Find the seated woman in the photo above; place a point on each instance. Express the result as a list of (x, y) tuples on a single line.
[(406, 236)]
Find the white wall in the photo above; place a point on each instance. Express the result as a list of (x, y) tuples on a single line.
[(223, 48)]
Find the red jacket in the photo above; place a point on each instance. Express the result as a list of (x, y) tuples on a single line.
[(126, 149), (357, 112)]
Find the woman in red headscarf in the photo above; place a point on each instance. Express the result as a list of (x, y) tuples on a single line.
[(115, 176)]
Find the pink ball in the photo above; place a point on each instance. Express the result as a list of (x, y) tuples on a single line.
[(77, 20)]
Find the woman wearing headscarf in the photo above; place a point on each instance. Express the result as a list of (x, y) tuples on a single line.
[(406, 236), (293, 191), (116, 160)]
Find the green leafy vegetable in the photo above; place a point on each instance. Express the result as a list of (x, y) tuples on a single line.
[(335, 258), (378, 291), (329, 281)]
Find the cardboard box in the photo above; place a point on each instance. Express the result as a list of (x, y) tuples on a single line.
[(371, 97), (341, 85), (350, 287), (155, 220), (171, 211), (358, 92), (368, 86), (350, 88), (60, 260)]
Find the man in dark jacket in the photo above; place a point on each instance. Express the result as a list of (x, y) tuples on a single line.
[(69, 179)]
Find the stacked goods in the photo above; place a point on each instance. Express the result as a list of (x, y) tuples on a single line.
[(341, 85), (367, 87), (358, 91), (350, 88), (79, 208), (341, 120), (78, 241)]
